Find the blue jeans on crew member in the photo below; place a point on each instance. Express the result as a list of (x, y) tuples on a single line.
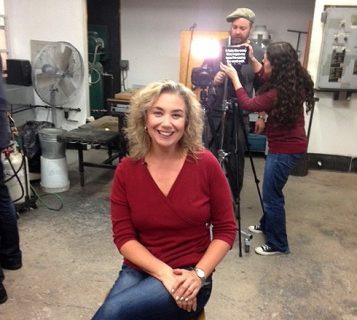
[(137, 295), (273, 222), (10, 253)]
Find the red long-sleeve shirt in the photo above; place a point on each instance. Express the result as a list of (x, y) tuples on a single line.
[(174, 228), (280, 139)]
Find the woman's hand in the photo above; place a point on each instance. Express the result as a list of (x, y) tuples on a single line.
[(219, 78), (170, 281), (183, 285), (254, 63), (259, 126), (177, 283), (250, 50), (189, 286), (232, 74), (188, 305)]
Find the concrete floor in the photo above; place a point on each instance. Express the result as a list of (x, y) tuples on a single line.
[(70, 261)]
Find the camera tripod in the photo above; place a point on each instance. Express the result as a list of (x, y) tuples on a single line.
[(218, 142)]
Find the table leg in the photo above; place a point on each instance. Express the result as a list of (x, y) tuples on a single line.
[(81, 166)]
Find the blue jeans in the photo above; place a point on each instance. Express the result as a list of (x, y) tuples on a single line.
[(273, 222), (10, 252), (137, 295)]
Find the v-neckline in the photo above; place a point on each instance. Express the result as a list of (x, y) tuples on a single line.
[(172, 187)]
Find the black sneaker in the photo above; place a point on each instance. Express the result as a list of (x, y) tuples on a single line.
[(3, 294), (255, 229), (11, 265), (266, 250)]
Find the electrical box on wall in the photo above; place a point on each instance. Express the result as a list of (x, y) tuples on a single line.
[(338, 57)]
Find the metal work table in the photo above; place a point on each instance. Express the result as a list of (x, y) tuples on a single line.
[(101, 133)]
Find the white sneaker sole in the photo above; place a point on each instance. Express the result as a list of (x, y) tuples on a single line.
[(260, 251), (251, 229)]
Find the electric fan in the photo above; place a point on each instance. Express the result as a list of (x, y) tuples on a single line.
[(57, 74)]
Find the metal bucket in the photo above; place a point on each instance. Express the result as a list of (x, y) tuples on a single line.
[(50, 147)]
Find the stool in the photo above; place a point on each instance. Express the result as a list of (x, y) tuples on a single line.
[(201, 316)]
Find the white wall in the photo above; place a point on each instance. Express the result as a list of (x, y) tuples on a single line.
[(50, 20), (150, 29), (334, 127)]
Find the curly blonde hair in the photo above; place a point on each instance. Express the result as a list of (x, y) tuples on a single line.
[(139, 141)]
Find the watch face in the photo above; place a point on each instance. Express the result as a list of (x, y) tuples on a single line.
[(200, 273)]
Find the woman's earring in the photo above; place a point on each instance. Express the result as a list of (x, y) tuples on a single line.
[(146, 129)]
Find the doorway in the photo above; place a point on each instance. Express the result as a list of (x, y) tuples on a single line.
[(104, 52)]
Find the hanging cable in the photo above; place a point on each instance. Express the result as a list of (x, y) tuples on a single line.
[(97, 72), (54, 195), (15, 175), (92, 66), (38, 196)]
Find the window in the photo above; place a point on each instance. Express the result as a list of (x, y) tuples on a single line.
[(3, 45), (3, 41)]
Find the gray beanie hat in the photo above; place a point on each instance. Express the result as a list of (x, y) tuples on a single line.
[(241, 13)]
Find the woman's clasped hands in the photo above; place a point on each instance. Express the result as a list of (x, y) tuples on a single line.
[(185, 288)]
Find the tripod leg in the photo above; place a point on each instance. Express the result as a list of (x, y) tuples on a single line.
[(238, 180), (256, 180), (237, 214), (230, 163), (213, 141), (235, 202)]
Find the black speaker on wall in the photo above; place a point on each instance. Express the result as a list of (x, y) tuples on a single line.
[(19, 72)]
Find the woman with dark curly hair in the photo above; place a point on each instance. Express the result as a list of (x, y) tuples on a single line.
[(165, 197), (285, 87)]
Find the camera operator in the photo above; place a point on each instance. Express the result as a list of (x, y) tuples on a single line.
[(241, 20), (10, 253)]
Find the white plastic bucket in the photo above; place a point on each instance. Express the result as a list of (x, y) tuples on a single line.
[(54, 175)]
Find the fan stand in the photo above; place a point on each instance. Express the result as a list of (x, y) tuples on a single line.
[(53, 106), (54, 171)]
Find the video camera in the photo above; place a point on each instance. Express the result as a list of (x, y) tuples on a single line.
[(201, 76)]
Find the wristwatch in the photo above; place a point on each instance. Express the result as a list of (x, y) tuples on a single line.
[(201, 274)]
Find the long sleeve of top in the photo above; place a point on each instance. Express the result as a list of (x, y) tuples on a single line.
[(280, 139), (174, 228)]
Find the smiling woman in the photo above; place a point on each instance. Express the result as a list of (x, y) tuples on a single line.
[(165, 196), (178, 96), (165, 121)]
